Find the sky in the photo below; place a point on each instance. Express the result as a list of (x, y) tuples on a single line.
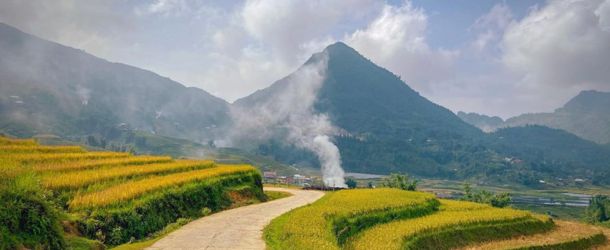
[(493, 57)]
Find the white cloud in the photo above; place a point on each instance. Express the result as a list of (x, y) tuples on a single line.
[(491, 26), (283, 27), (232, 48), (396, 39), (563, 44), (163, 7), (91, 26), (262, 41)]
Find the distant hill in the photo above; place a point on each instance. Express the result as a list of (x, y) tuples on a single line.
[(49, 88), (553, 152), (484, 122), (587, 115)]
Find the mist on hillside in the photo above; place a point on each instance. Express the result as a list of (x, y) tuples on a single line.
[(289, 116)]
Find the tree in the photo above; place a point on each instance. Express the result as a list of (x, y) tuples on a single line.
[(351, 183), (599, 208), (487, 197), (501, 200), (400, 181)]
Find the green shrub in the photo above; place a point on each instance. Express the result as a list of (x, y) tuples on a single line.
[(26, 218)]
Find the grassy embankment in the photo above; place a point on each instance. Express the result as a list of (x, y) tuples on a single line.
[(57, 197)]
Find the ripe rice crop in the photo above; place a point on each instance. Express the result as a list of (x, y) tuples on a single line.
[(83, 178), (566, 235), (131, 189), (127, 197), (16, 149), (438, 228), (37, 158), (340, 215), (454, 205), (101, 162), (151, 212), (8, 141)]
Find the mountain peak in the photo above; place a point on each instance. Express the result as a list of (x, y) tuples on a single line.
[(340, 49), (338, 46), (337, 50), (588, 100)]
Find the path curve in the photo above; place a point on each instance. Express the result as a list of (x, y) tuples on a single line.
[(239, 228)]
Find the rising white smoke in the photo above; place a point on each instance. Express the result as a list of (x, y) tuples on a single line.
[(329, 157), (289, 113)]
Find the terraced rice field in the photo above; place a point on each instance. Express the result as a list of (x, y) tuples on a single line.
[(115, 197), (564, 231), (77, 179), (372, 219)]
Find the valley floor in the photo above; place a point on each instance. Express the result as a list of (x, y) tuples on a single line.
[(239, 228)]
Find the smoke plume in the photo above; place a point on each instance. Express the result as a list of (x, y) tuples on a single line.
[(286, 111)]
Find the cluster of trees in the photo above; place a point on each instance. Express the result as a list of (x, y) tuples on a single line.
[(599, 209), (400, 181), (487, 197), (395, 180)]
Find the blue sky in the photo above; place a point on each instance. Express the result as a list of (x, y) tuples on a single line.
[(493, 57), (449, 24)]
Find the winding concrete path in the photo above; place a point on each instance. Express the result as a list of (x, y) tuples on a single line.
[(239, 228)]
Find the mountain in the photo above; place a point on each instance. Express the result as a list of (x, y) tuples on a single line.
[(46, 87), (484, 122), (586, 115), (386, 126)]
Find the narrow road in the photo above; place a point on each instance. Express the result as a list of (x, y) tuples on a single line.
[(239, 228)]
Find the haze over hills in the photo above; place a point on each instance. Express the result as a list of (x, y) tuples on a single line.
[(586, 115), (338, 97), (50, 88), (384, 126), (484, 122)]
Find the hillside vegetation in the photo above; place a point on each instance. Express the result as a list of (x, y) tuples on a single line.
[(109, 197), (395, 219)]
